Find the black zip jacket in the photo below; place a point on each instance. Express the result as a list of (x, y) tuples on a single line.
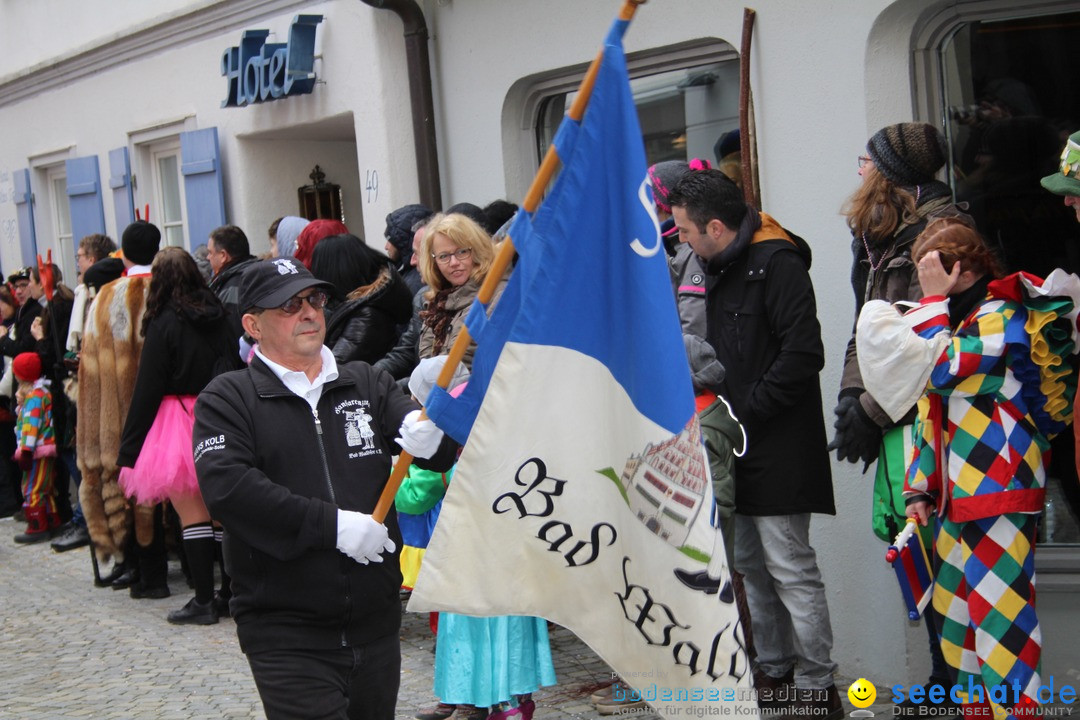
[(184, 350), (274, 474)]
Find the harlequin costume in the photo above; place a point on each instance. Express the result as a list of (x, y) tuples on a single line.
[(996, 392), (36, 441)]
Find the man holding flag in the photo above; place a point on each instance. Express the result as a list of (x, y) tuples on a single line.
[(762, 321)]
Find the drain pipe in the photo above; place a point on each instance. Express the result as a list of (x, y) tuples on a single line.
[(418, 65)]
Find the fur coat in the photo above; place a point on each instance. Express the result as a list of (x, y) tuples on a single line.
[(109, 362)]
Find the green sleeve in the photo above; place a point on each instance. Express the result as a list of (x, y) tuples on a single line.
[(421, 490)]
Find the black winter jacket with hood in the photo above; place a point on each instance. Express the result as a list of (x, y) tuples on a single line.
[(274, 473), (762, 321)]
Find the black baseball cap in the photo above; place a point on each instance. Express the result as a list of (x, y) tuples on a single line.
[(269, 283), (20, 274)]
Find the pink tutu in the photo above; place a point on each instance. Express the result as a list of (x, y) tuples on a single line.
[(166, 465)]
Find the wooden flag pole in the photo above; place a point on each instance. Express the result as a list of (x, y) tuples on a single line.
[(747, 139), (502, 261)]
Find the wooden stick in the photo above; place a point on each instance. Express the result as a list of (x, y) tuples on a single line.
[(747, 141), (502, 261)]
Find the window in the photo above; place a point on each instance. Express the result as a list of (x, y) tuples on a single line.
[(1012, 98), (687, 97), (168, 206), (682, 112), (60, 216)]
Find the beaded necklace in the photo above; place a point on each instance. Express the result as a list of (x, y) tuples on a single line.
[(869, 256)]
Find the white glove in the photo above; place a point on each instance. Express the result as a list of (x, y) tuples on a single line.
[(419, 438), (361, 538)]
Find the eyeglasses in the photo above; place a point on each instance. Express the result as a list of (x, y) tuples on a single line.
[(461, 254), (316, 299), (863, 160)]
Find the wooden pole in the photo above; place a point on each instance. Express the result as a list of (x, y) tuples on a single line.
[(548, 167), (747, 139)]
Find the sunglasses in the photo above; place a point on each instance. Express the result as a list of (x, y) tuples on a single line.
[(316, 299)]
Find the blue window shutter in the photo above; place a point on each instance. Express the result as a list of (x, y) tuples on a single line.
[(84, 197), (120, 182), (24, 211), (200, 164)]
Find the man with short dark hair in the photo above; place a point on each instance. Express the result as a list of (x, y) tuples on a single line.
[(292, 454), (762, 321), (229, 254)]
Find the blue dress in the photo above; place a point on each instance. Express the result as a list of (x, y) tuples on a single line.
[(485, 661)]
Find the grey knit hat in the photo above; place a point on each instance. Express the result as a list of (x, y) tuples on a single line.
[(908, 153)]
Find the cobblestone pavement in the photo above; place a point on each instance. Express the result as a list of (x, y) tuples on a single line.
[(70, 650)]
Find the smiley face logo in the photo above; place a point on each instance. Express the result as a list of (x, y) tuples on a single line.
[(862, 693)]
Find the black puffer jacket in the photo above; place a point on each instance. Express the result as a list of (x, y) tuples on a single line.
[(226, 285), (365, 326)]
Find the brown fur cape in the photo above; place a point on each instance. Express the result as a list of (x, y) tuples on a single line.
[(109, 362)]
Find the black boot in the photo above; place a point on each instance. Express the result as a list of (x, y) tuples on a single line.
[(153, 565)]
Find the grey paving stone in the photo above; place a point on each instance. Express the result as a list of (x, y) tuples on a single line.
[(70, 650)]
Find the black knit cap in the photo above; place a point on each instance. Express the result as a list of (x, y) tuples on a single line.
[(103, 272), (908, 153), (140, 242), (399, 226)]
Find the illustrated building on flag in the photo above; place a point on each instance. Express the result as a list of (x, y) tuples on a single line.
[(666, 485)]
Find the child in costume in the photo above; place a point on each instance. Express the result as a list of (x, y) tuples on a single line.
[(36, 448), (996, 388)]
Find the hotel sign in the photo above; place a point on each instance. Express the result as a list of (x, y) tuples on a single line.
[(258, 71)]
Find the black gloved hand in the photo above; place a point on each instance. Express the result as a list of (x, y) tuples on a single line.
[(857, 436), (26, 460)]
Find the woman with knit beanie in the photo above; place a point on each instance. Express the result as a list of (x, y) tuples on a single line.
[(899, 194)]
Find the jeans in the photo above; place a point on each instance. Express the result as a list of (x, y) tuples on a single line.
[(788, 610), (348, 683)]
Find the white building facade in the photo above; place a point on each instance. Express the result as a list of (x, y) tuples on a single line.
[(107, 107)]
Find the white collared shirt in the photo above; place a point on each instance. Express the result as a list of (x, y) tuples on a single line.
[(297, 381), (137, 270)]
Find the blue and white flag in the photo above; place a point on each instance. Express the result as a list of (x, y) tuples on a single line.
[(583, 486)]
